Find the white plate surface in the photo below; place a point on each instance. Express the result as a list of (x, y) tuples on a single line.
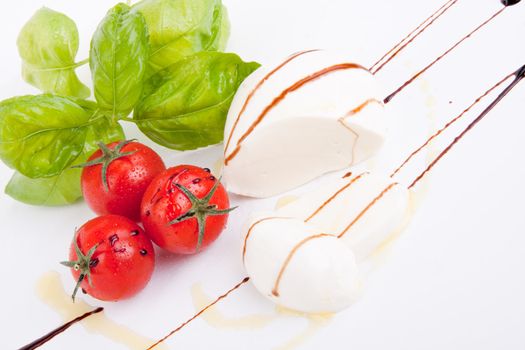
[(453, 280)]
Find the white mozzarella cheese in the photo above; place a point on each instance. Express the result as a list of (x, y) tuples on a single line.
[(291, 122), (300, 268), (306, 255), (364, 209)]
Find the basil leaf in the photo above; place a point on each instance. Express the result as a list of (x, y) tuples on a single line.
[(179, 28), (64, 188), (50, 191), (118, 59), (185, 106), (224, 32), (48, 44), (42, 135)]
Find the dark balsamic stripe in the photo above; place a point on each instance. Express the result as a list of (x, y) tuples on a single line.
[(393, 52), (44, 339), (275, 290), (519, 75), (418, 74), (450, 123), (245, 280)]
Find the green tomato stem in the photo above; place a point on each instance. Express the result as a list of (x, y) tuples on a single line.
[(200, 210), (82, 264), (107, 157)]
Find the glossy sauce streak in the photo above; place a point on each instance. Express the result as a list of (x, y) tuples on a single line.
[(450, 123), (275, 290), (282, 95), (44, 339), (519, 75), (315, 323), (352, 181), (257, 87), (361, 107), (51, 291), (245, 280), (418, 74), (215, 318), (510, 2), (251, 229), (284, 201), (411, 37), (365, 210)]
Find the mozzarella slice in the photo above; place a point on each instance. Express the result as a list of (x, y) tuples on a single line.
[(364, 209), (289, 123), (300, 268)]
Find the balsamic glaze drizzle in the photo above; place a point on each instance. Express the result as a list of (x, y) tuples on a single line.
[(518, 76), (44, 339), (450, 123), (400, 46), (418, 74), (509, 2), (245, 280)]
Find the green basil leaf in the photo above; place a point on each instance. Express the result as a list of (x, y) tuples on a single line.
[(118, 59), (49, 191), (42, 135), (64, 188), (224, 31), (179, 28), (186, 105), (48, 44)]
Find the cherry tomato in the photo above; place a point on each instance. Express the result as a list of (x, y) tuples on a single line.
[(111, 258), (185, 209), (116, 176)]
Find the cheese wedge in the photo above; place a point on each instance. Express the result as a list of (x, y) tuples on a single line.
[(293, 121)]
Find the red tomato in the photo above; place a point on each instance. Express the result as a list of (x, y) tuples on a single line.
[(185, 209), (116, 176), (113, 253)]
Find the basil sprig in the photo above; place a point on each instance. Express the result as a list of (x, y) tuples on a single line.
[(158, 58)]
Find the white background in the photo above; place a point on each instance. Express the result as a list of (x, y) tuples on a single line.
[(454, 280)]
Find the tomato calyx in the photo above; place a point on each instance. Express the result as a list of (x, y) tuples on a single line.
[(84, 263), (107, 157), (200, 210)]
